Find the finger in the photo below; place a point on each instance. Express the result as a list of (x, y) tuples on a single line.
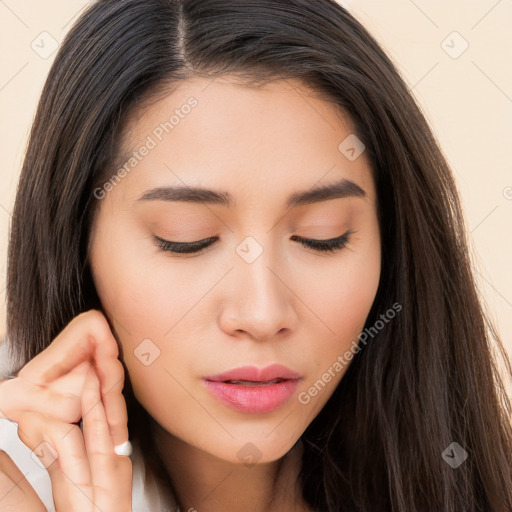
[(16, 493), (19, 395), (87, 336), (111, 474), (59, 448), (94, 422), (114, 402)]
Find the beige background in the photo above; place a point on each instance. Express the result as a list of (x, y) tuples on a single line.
[(466, 95)]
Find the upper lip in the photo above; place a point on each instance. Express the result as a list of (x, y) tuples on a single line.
[(252, 373)]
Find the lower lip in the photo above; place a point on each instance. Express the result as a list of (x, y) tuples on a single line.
[(254, 399)]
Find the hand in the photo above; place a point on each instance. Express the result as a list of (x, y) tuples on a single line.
[(77, 376)]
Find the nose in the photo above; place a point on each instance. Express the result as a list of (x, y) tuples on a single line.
[(260, 303)]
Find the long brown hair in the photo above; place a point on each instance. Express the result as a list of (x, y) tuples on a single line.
[(429, 379)]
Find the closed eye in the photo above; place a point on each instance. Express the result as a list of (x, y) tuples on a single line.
[(324, 246), (330, 245), (183, 247)]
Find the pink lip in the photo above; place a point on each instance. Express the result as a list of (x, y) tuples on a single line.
[(274, 371), (258, 398)]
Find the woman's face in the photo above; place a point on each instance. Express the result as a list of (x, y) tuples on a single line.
[(256, 296)]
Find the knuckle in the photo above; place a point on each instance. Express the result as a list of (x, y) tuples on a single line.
[(92, 319), (118, 423), (97, 326)]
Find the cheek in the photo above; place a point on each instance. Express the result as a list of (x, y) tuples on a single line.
[(342, 301), (133, 296), (345, 292), (139, 287), (142, 310)]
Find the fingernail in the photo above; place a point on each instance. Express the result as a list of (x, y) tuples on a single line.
[(124, 449)]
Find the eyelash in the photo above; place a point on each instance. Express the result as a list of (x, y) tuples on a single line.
[(323, 246)]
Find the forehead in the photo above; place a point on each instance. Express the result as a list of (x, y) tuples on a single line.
[(220, 133)]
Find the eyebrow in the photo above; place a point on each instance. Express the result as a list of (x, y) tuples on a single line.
[(340, 189)]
